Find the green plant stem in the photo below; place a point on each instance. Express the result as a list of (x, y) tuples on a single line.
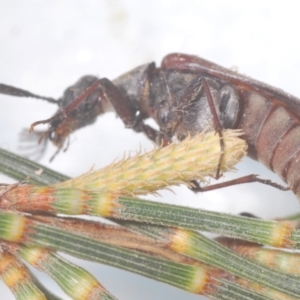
[(212, 253), (22, 168), (228, 291), (140, 210)]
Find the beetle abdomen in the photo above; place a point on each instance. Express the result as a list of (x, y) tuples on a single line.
[(273, 135)]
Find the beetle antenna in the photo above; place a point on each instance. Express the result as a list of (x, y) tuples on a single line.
[(13, 91)]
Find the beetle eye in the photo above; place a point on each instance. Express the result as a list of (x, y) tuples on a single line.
[(229, 106), (163, 113)]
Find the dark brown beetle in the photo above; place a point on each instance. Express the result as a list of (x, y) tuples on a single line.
[(187, 94)]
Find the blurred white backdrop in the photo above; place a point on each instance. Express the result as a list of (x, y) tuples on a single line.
[(48, 45)]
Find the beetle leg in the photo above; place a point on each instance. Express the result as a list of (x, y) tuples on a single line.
[(154, 135), (129, 115), (54, 155), (68, 144), (217, 124), (119, 102), (241, 180), (193, 92)]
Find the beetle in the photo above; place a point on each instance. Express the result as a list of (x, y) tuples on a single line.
[(185, 95)]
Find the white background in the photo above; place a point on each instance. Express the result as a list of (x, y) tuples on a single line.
[(47, 45)]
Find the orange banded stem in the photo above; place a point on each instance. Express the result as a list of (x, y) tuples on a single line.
[(18, 279), (198, 247), (194, 278), (208, 251), (262, 290), (284, 261), (197, 278), (106, 204), (65, 274)]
